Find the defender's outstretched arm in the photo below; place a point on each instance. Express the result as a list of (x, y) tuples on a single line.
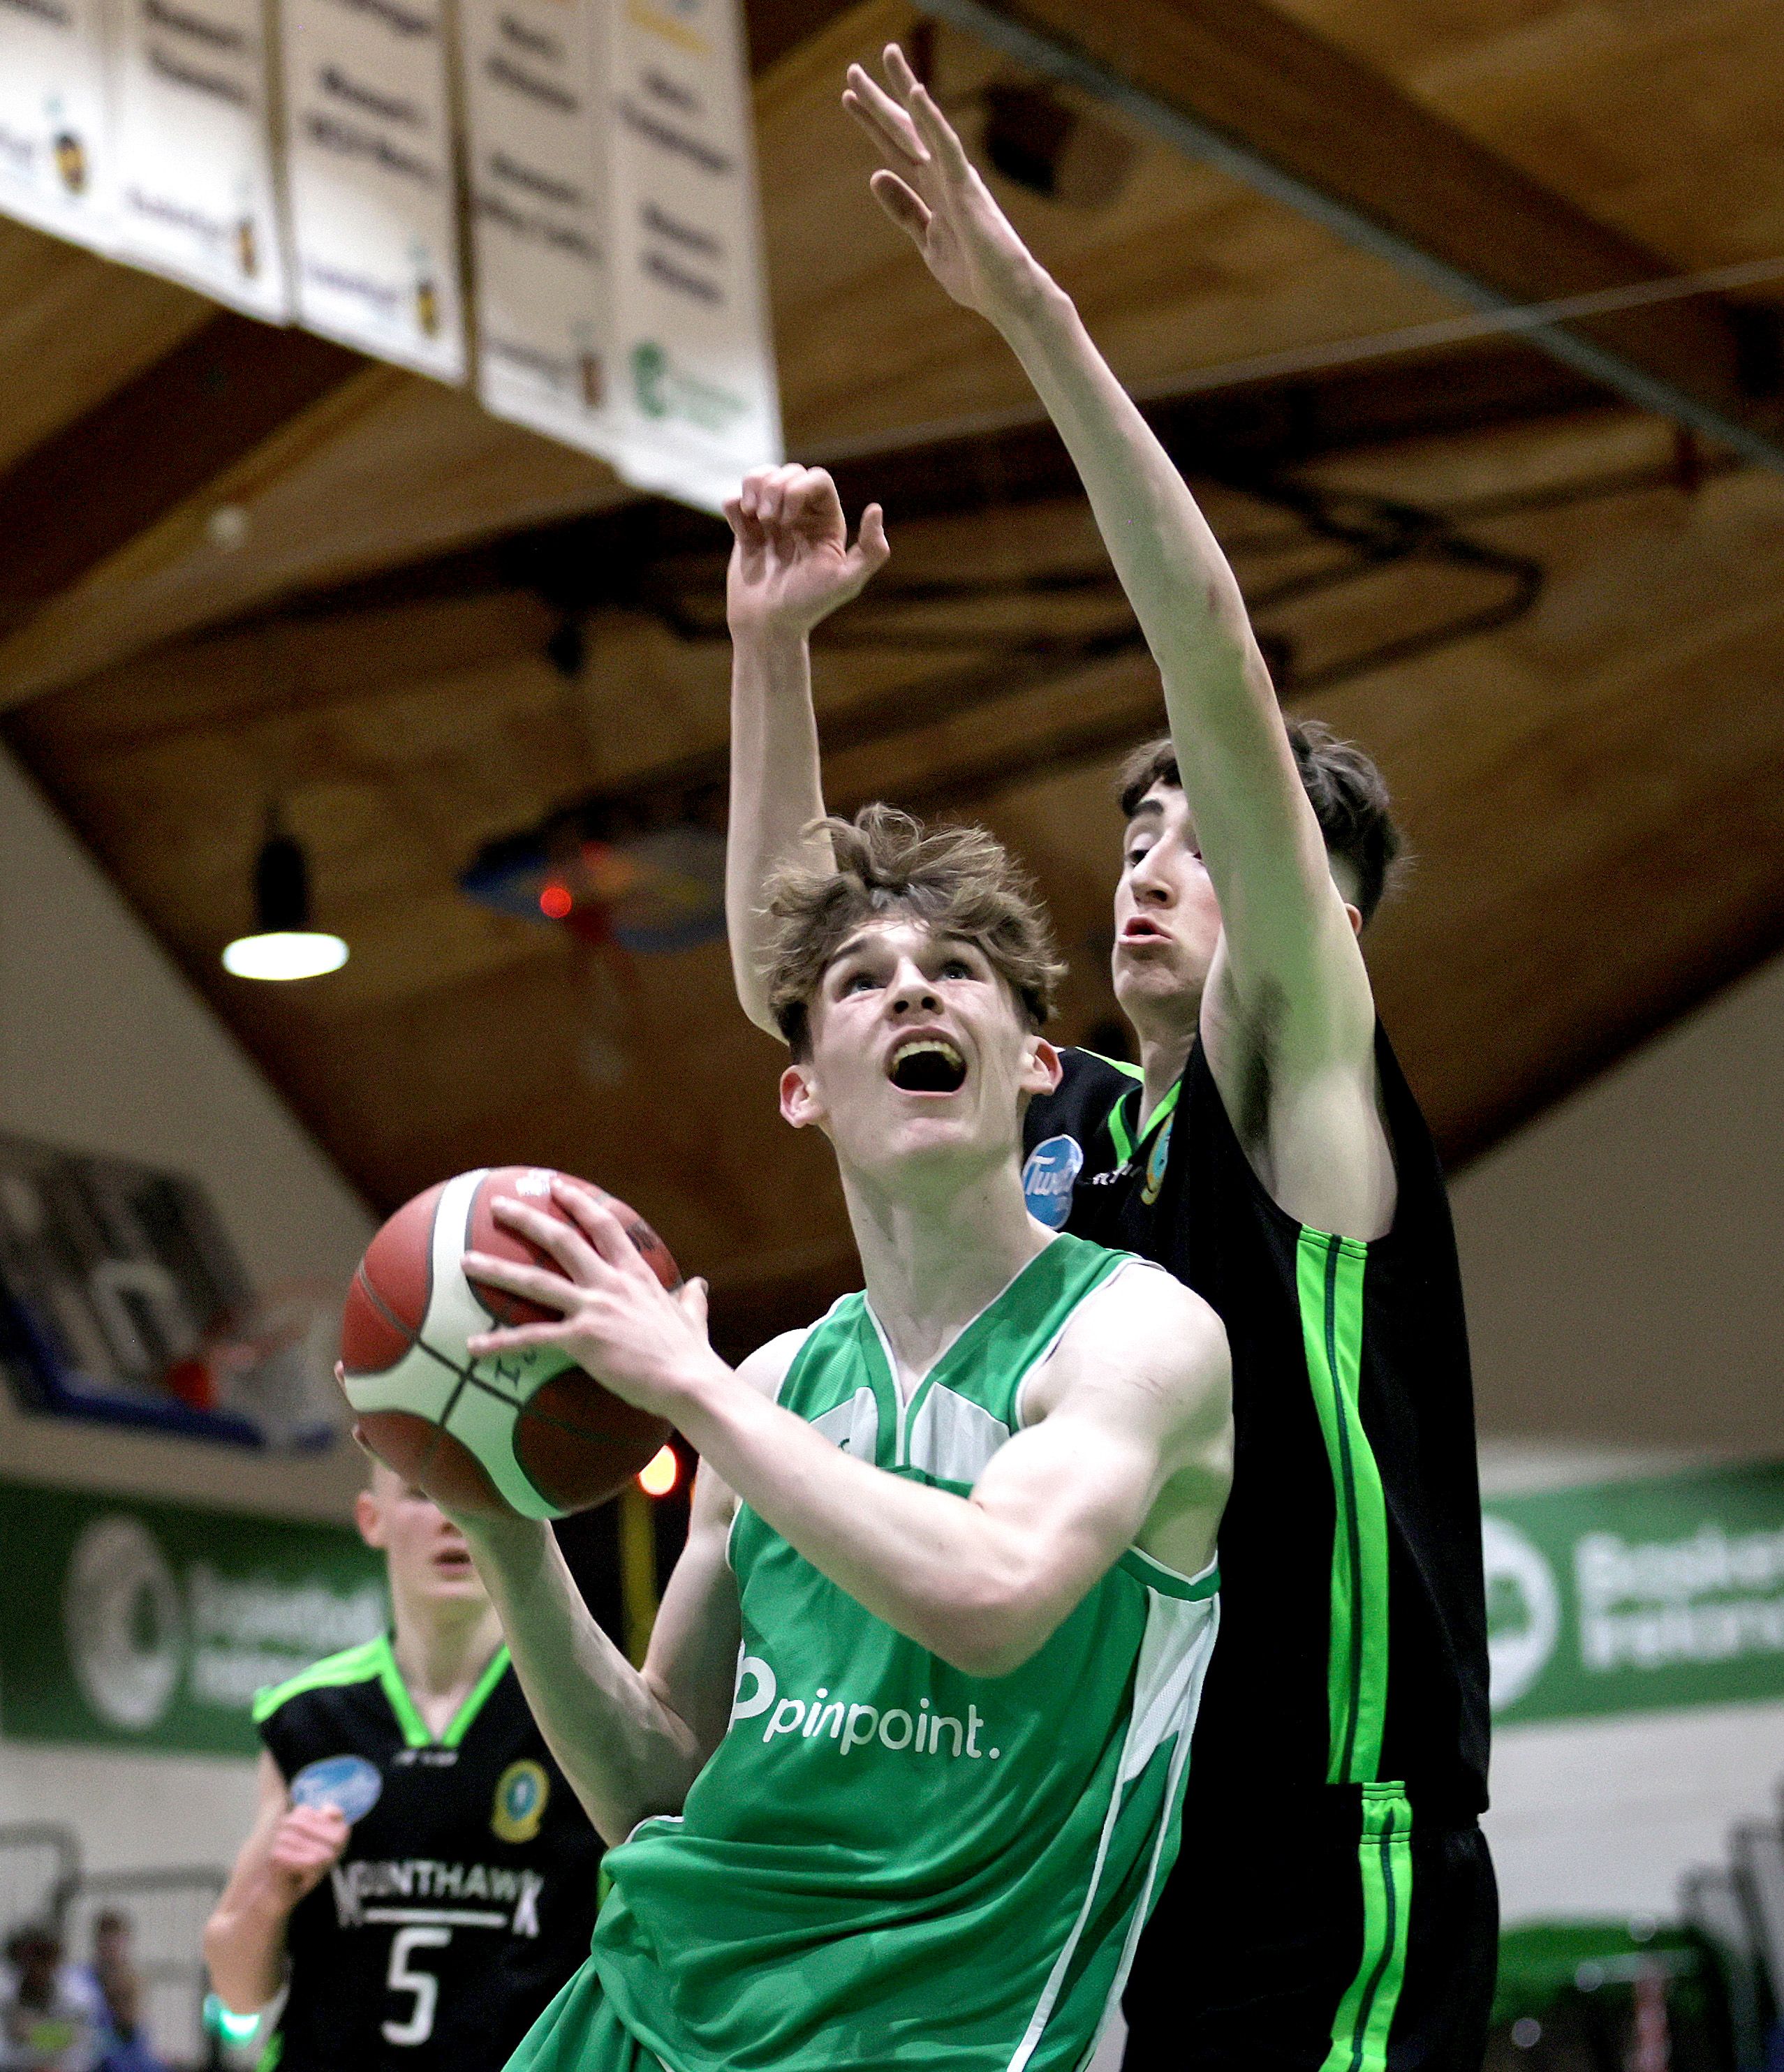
[(791, 566), (1292, 984)]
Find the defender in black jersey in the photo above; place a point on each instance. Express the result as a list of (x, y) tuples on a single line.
[(427, 1882), (1334, 1884), (1333, 1908)]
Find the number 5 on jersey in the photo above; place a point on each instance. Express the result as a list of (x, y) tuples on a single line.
[(424, 1985)]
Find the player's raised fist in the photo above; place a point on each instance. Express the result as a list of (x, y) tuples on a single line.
[(304, 1844), (791, 562)]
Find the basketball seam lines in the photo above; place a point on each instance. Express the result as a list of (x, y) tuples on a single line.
[(467, 1375)]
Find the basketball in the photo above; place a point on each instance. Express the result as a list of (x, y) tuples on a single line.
[(527, 1431)]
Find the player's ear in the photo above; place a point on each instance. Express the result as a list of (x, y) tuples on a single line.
[(1354, 914), (368, 1516), (798, 1100), (1041, 1069)]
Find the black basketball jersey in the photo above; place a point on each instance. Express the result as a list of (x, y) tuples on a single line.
[(1353, 1626), (465, 1896)]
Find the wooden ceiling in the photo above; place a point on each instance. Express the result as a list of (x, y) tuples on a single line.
[(1555, 624)]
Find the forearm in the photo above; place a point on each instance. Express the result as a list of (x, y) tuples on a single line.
[(626, 1753), (245, 1944), (1224, 719), (979, 1592), (776, 791)]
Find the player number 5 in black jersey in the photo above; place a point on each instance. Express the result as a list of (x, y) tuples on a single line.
[(466, 1895)]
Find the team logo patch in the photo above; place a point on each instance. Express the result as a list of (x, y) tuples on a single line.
[(349, 1783), (520, 1794), (1160, 1158), (1049, 1177)]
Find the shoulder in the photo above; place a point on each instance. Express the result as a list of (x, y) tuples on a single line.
[(363, 1664), (769, 1365), (1142, 1327)]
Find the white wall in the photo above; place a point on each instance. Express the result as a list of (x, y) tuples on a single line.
[(1621, 1255), (1604, 1816), (1624, 1262), (103, 1047)]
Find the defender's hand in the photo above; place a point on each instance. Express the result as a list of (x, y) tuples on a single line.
[(935, 194), (615, 1318), (307, 1842), (791, 564)]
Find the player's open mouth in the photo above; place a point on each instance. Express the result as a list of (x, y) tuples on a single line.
[(927, 1065), (1140, 930)]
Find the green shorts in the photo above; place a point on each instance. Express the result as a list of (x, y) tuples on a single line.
[(579, 2032)]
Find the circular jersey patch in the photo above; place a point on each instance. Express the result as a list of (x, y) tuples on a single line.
[(348, 1782), (520, 1794), (1049, 1177)]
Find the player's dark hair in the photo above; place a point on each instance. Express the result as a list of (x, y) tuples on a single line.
[(1347, 792), (958, 881)]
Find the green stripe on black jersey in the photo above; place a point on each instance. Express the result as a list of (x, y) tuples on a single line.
[(1330, 1276), (374, 1661)]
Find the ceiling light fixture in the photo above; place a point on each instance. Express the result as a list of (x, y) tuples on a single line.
[(283, 945)]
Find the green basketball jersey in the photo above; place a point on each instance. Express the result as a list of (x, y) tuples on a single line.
[(887, 1862)]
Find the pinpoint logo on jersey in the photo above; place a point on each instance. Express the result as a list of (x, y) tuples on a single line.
[(1049, 1177), (349, 1783), (520, 1794)]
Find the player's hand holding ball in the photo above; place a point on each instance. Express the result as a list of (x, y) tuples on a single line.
[(612, 1315), (508, 1340)]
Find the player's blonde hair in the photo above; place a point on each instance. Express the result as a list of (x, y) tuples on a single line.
[(957, 881)]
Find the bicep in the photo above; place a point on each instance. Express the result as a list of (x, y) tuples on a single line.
[(1138, 1393), (1071, 1494), (692, 1663)]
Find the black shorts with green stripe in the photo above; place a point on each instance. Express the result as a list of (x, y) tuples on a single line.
[(1342, 1931)]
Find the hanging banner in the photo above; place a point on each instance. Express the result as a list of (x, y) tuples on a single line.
[(129, 1624), (1634, 1596), (534, 99), (55, 170), (373, 188), (192, 141), (696, 399)]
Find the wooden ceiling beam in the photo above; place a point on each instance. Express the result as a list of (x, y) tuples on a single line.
[(89, 489), (1239, 85), (1237, 435)]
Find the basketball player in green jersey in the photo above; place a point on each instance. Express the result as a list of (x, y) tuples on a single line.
[(420, 1878), (899, 1777)]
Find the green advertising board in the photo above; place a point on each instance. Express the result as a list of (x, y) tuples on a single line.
[(126, 1623), (1634, 1596)]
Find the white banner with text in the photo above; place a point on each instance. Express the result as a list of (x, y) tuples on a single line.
[(373, 190), (193, 133), (56, 170), (536, 100), (698, 402)]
